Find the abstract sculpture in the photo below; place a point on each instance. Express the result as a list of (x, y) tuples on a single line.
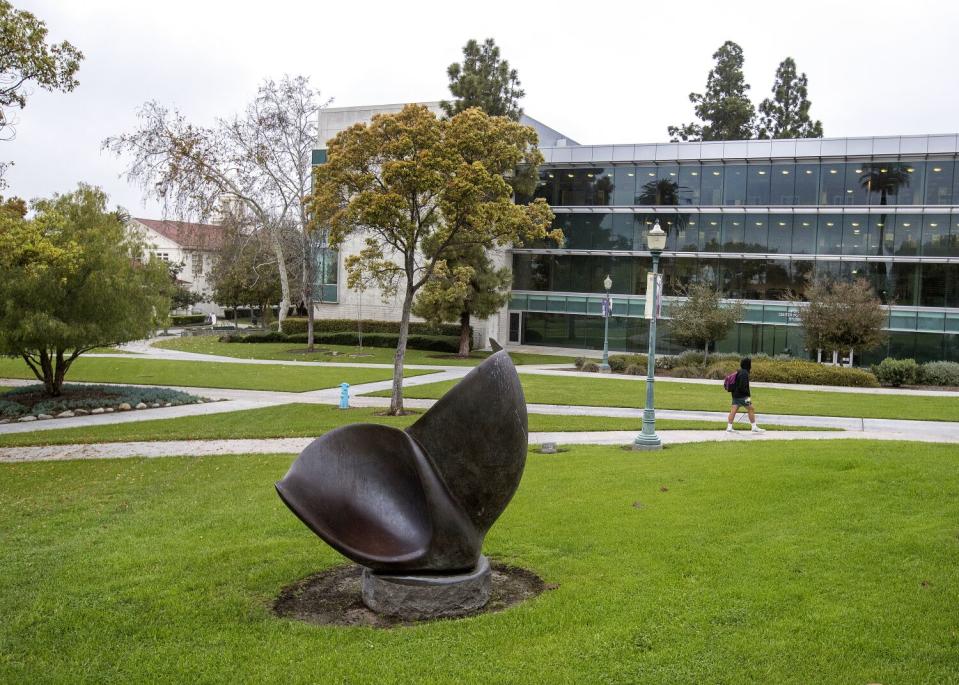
[(414, 506)]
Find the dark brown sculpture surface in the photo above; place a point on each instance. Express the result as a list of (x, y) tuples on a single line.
[(420, 499)]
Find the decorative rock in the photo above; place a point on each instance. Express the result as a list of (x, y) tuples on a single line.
[(548, 448), (66, 414), (428, 596), (167, 404), (140, 405), (3, 421), (24, 419), (44, 417), (154, 405), (109, 410), (80, 412), (124, 406), (98, 410)]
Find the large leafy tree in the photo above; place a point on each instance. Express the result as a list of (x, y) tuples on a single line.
[(843, 316), (421, 189), (71, 279), (702, 318), (484, 80), (786, 114), (724, 110)]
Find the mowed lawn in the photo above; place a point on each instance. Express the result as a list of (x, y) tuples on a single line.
[(367, 355), (307, 420), (614, 392), (203, 374), (800, 562)]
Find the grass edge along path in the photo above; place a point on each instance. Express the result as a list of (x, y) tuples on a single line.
[(305, 420), (700, 563), (605, 392), (203, 374)]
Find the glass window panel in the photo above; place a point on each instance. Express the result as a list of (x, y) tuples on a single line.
[(687, 235), (953, 246), (807, 184), (645, 184), (778, 279), (662, 188), (902, 345), (911, 192), (932, 291), (832, 184), (802, 274), (782, 184), (540, 269), (561, 273), (579, 273), (828, 270), (624, 231), (624, 185), (908, 234), (599, 268), (601, 188), (780, 233), (731, 278), (929, 347), (952, 286), (757, 184), (757, 232), (829, 234), (855, 234), (621, 272), (680, 273), (853, 270), (939, 182), (710, 232), (733, 232), (599, 231), (521, 272), (711, 193), (931, 321), (935, 235), (577, 232), (546, 188), (690, 177), (641, 266), (905, 278), (879, 225), (709, 272), (804, 234), (754, 279), (879, 279), (856, 192), (885, 181), (734, 186)]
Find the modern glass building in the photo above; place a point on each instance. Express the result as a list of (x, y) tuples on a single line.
[(758, 219)]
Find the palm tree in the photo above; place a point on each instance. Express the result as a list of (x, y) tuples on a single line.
[(885, 179)]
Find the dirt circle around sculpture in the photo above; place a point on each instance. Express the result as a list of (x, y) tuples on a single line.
[(332, 597)]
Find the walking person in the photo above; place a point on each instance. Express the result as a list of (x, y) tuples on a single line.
[(741, 397)]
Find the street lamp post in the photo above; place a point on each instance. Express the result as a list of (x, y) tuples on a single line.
[(607, 312), (647, 439)]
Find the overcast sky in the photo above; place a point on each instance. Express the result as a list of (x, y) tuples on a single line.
[(612, 72)]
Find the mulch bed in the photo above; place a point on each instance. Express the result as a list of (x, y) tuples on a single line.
[(332, 597)]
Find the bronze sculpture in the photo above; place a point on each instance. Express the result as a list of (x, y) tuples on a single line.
[(414, 506)]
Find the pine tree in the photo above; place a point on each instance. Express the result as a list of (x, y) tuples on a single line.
[(725, 111), (484, 80), (786, 115)]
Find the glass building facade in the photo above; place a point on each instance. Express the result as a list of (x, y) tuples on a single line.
[(757, 219)]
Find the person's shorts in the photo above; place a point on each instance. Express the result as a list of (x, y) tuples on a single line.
[(742, 401)]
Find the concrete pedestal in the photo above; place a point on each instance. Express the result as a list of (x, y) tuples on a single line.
[(427, 596)]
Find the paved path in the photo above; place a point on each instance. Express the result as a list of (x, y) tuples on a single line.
[(200, 448)]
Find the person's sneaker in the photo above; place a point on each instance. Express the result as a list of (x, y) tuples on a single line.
[(729, 429), (757, 429)]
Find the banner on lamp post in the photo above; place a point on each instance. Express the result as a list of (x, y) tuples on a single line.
[(607, 307), (659, 296)]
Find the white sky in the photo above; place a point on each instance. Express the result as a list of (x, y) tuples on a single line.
[(613, 72)]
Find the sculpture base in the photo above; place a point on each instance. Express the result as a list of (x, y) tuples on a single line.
[(417, 597)]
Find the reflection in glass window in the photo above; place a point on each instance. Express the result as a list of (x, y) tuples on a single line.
[(645, 176), (802, 274), (935, 235), (561, 273), (690, 177), (660, 189), (547, 185), (911, 193), (757, 184), (733, 232), (601, 190), (939, 182), (780, 233), (734, 186), (804, 234), (855, 234), (884, 181), (731, 278), (709, 272), (621, 273), (624, 231), (712, 184), (682, 272), (782, 180), (756, 233), (856, 193), (778, 279), (710, 232), (934, 282), (832, 184), (807, 184), (624, 185), (687, 233), (904, 276), (754, 279), (572, 186), (908, 234), (829, 234)]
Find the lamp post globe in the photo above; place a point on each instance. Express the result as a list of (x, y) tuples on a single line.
[(607, 312), (647, 439)]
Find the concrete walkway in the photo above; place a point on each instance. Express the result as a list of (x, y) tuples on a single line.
[(201, 448)]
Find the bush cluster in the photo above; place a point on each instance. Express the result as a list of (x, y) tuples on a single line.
[(769, 370), (187, 319), (940, 373), (30, 399), (294, 325), (429, 343), (618, 363), (896, 372)]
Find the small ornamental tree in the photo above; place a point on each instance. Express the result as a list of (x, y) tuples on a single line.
[(843, 316), (786, 114), (702, 318), (71, 279), (422, 189)]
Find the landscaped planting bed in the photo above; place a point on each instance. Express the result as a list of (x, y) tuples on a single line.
[(31, 402)]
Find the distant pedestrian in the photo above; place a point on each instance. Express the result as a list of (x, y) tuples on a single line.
[(212, 320), (739, 389)]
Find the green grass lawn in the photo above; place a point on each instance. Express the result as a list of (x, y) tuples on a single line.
[(372, 355), (305, 420), (609, 392), (787, 563), (205, 374)]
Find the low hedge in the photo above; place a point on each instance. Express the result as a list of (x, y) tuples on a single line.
[(294, 325), (187, 319), (429, 343), (795, 371), (940, 373), (32, 399)]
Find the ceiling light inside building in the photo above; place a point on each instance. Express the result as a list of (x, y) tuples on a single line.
[(937, 169)]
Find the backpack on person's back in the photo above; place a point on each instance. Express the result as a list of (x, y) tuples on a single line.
[(729, 382)]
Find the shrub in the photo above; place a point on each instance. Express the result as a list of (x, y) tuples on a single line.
[(896, 372), (619, 362), (590, 367), (429, 343), (767, 370), (635, 370), (295, 325), (31, 399), (579, 361), (187, 319), (12, 410), (940, 373)]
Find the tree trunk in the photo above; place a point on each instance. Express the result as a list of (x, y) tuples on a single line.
[(706, 353), (835, 358), (236, 314), (396, 401), (851, 352), (284, 281), (464, 334)]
